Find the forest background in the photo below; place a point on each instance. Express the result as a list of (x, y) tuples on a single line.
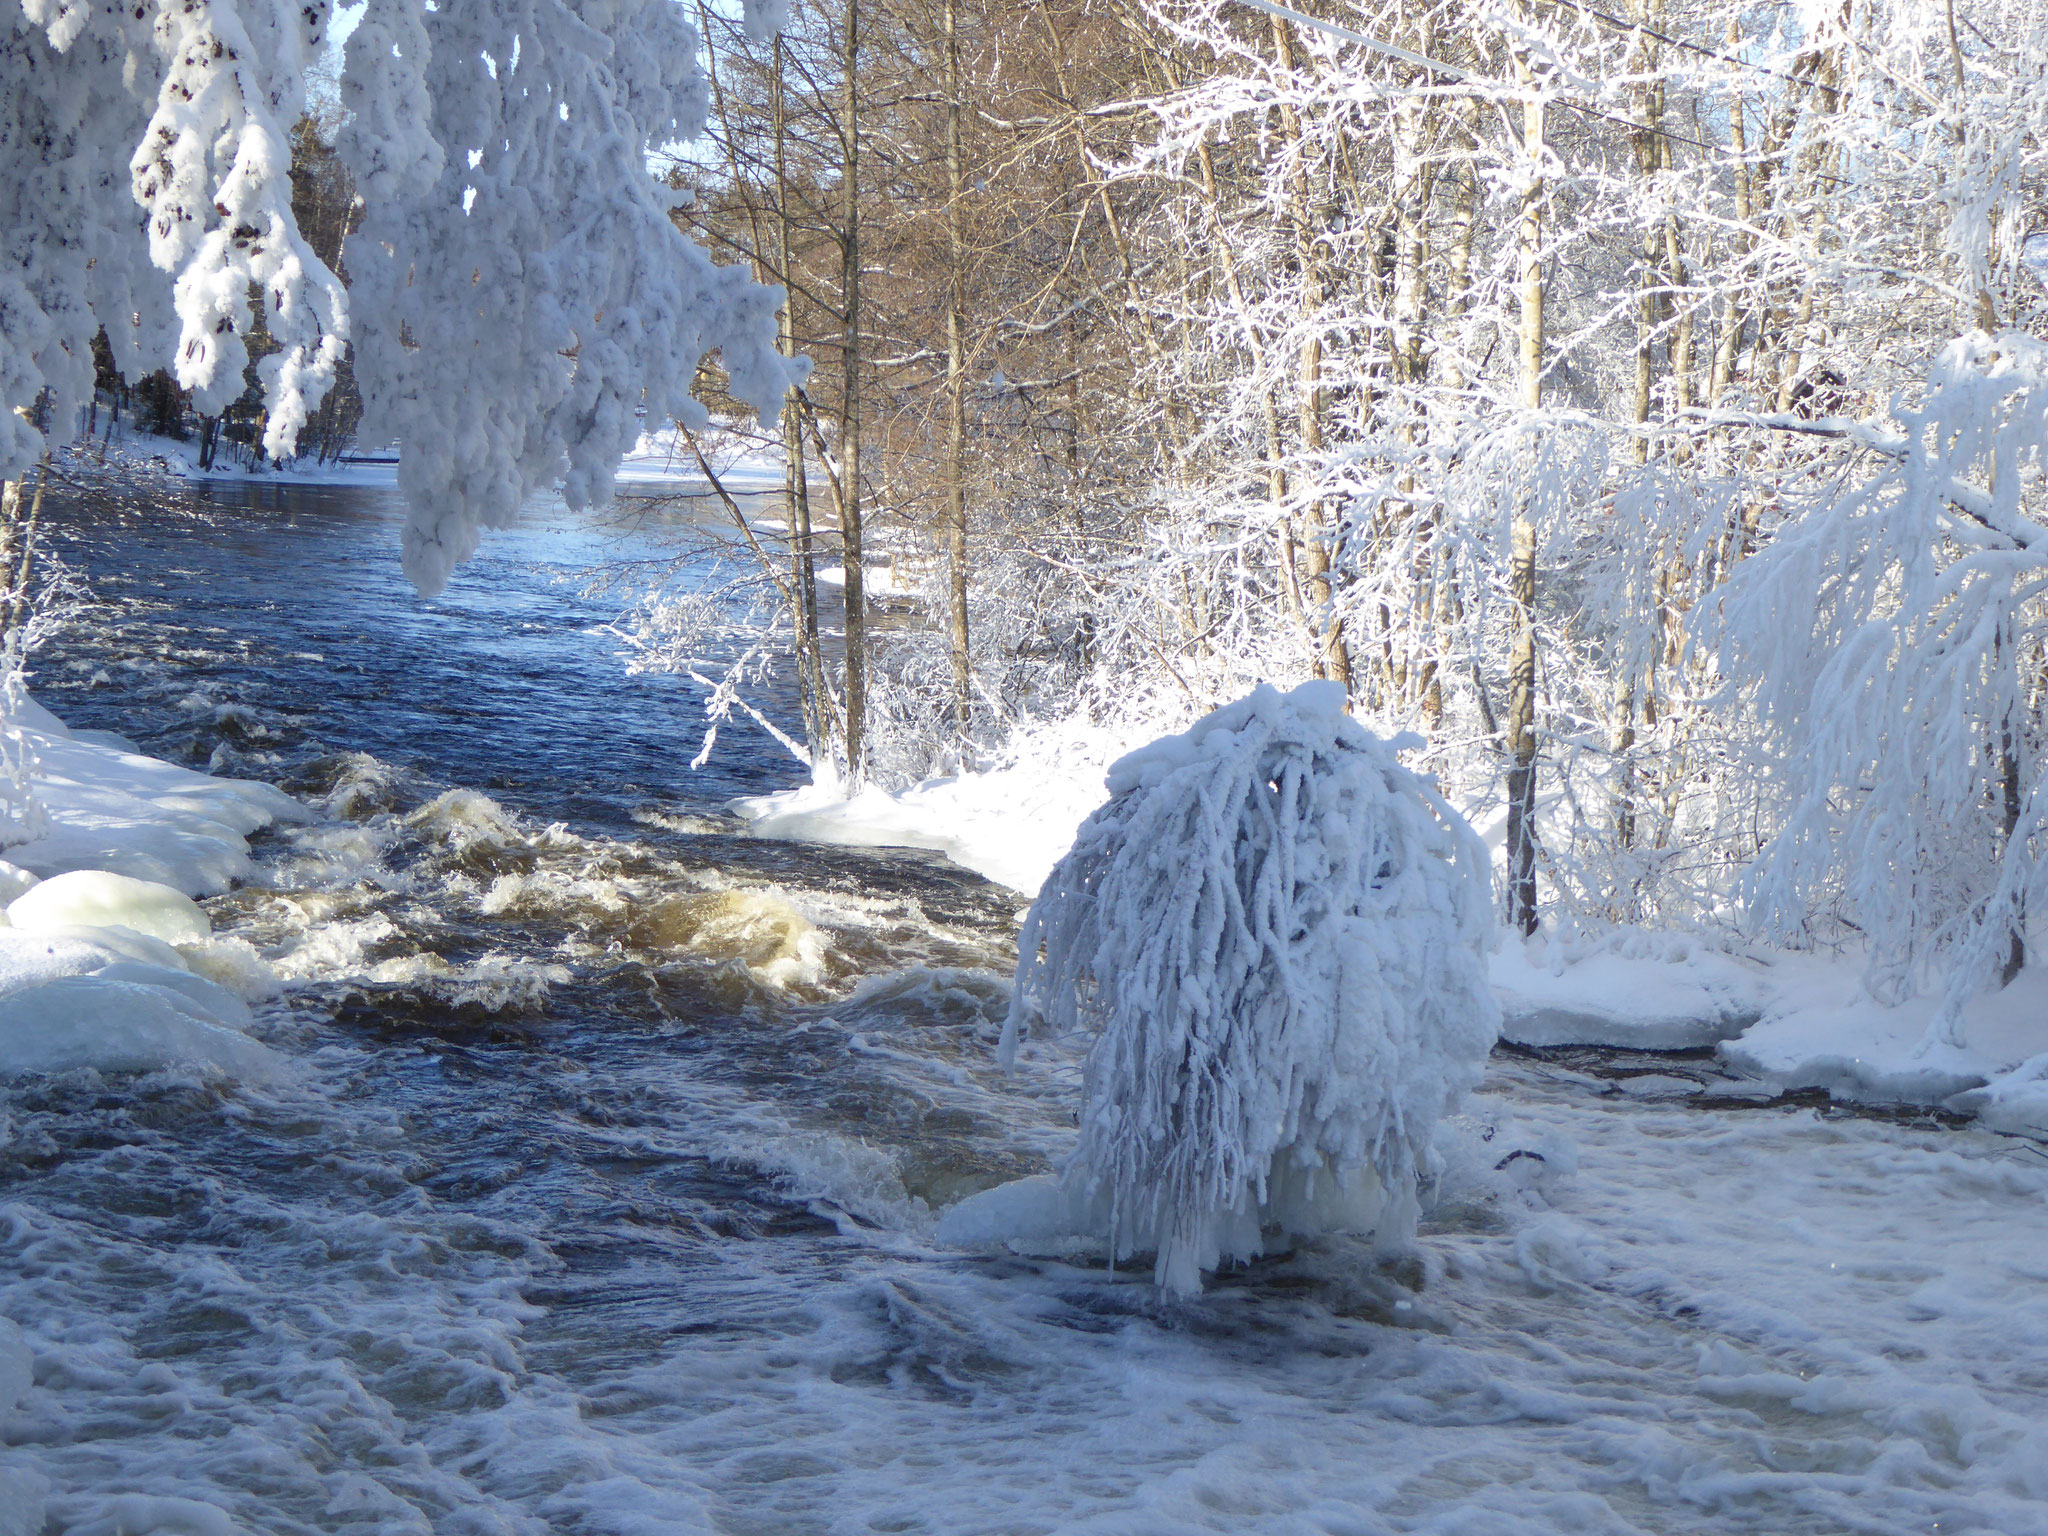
[(1643, 407)]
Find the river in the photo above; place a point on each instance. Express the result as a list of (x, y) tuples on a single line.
[(600, 1196)]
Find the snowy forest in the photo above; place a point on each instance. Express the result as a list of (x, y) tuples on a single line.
[(1645, 408), (1023, 765)]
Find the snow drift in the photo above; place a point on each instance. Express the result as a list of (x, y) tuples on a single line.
[(1273, 933)]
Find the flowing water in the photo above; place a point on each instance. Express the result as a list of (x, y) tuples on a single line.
[(599, 1197)]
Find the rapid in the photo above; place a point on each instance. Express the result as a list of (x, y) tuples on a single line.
[(599, 1196)]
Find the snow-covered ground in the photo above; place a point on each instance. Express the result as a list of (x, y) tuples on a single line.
[(105, 960), (1787, 1020), (131, 453), (1011, 823)]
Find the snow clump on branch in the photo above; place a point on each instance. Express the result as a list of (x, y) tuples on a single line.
[(520, 298), (1273, 932)]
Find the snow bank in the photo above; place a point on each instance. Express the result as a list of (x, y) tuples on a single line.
[(2015, 1101), (1822, 1031), (120, 812), (101, 936), (1010, 824), (1646, 991), (1271, 936), (1789, 1020), (661, 458), (132, 451)]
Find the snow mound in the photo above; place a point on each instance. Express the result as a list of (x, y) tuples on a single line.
[(1824, 1031), (1272, 935), (95, 898), (1645, 991)]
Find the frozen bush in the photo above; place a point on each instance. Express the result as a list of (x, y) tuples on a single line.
[(1273, 932)]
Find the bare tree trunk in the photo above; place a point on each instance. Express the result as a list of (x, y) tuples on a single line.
[(849, 409), (1313, 401), (11, 520), (1521, 828), (818, 708), (1732, 314), (956, 389), (2009, 788), (24, 562)]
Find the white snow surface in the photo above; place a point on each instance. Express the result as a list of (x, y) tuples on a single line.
[(1272, 933), (1791, 1019), (97, 956)]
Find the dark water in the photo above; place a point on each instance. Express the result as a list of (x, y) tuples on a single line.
[(598, 1197)]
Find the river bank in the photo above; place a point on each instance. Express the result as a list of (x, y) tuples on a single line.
[(598, 1187)]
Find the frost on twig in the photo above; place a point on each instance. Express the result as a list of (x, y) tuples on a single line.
[(1273, 933)]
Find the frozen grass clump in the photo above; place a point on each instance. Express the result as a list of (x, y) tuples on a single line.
[(1273, 932)]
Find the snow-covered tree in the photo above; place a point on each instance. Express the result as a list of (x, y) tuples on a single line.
[(1895, 644), (1272, 936), (520, 296)]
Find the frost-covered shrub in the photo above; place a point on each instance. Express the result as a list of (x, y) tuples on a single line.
[(1273, 931)]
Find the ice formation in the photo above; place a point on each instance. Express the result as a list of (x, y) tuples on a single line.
[(1273, 933), (94, 898)]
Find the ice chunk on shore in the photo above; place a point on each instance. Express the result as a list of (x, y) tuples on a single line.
[(111, 809), (95, 898), (117, 1025), (30, 959)]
